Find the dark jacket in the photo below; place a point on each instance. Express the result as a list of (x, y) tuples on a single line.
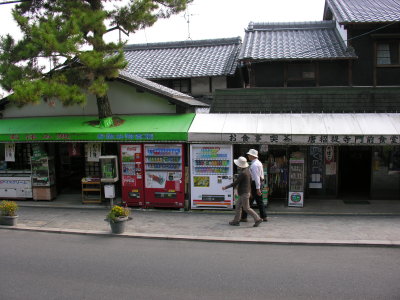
[(243, 182)]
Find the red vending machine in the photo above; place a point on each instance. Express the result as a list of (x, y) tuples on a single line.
[(164, 173), (132, 174)]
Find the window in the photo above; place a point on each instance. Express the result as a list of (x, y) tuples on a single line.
[(301, 72), (388, 53), (181, 85)]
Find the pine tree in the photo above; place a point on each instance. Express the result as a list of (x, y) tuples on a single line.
[(71, 35)]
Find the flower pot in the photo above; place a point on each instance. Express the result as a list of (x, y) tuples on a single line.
[(118, 226), (8, 220)]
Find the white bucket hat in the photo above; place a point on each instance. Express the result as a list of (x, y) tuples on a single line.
[(253, 152), (241, 162)]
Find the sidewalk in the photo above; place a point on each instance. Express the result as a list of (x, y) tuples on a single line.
[(374, 224)]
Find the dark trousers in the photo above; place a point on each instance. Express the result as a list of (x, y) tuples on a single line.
[(259, 201)]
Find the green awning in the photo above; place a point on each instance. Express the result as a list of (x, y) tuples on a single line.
[(77, 128)]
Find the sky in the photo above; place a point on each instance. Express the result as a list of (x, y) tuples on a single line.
[(208, 19)]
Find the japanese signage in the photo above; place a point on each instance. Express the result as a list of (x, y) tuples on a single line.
[(288, 139), (81, 137), (316, 161), (330, 163), (9, 152), (93, 151)]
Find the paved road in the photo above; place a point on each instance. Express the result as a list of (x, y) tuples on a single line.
[(36, 265)]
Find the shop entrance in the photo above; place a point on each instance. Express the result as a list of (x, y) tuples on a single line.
[(70, 167), (354, 171), (275, 162), (278, 171)]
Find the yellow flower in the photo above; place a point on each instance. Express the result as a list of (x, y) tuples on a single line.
[(8, 208)]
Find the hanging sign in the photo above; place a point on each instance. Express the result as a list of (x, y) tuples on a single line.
[(263, 148), (10, 152), (93, 151), (330, 163), (74, 149), (316, 161)]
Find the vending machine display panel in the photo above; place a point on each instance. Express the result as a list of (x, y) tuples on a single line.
[(132, 174), (211, 169), (164, 175)]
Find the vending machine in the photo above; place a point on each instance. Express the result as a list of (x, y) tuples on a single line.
[(132, 174), (296, 180), (164, 175), (211, 169)]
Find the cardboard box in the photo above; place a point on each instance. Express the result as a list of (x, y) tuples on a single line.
[(44, 193)]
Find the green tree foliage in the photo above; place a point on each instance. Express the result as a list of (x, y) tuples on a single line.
[(71, 35)]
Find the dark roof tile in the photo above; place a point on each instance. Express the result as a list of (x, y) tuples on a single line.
[(294, 41), (365, 11), (202, 58)]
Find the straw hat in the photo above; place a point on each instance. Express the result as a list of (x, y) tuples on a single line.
[(241, 162), (253, 152)]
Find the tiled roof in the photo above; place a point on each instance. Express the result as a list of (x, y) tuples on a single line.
[(309, 100), (173, 95), (294, 41), (202, 58), (364, 11)]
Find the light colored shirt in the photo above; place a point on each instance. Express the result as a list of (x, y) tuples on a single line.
[(257, 172)]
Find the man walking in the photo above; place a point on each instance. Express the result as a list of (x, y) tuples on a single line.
[(243, 186), (257, 177)]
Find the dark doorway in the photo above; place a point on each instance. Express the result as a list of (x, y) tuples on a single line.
[(70, 167), (354, 171)]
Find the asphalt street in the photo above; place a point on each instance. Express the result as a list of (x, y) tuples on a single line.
[(37, 265)]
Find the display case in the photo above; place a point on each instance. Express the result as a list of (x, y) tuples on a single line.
[(17, 185), (43, 178), (43, 172), (296, 180)]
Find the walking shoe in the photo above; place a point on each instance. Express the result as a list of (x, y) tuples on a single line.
[(243, 220), (257, 223), (265, 219), (233, 223)]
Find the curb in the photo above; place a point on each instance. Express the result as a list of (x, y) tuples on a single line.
[(228, 212), (273, 241)]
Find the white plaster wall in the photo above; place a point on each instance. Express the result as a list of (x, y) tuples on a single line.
[(342, 31), (219, 83), (201, 85), (123, 97)]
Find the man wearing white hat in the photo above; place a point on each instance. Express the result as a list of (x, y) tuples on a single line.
[(243, 185), (257, 177)]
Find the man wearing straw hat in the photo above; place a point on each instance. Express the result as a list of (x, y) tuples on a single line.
[(257, 177), (243, 185)]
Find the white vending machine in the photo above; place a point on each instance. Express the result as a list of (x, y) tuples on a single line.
[(211, 168)]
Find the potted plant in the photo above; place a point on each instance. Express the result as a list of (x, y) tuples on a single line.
[(8, 213), (117, 217)]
